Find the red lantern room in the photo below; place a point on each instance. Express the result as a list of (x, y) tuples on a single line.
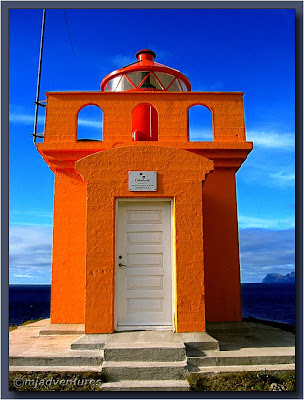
[(145, 75)]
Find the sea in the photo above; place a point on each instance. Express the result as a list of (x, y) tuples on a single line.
[(269, 302)]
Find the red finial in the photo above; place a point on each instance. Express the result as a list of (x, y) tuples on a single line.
[(145, 55)]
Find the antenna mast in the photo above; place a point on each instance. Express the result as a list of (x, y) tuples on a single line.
[(37, 104)]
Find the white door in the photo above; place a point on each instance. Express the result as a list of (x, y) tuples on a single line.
[(143, 265)]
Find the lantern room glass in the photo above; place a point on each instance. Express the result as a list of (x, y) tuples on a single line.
[(146, 80)]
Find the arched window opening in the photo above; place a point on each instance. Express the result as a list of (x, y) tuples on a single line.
[(200, 124), (144, 123), (90, 123)]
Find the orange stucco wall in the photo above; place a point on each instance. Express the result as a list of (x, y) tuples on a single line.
[(61, 117), (222, 271), (180, 176), (75, 293), (68, 272)]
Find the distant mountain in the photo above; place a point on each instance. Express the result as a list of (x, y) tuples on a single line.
[(277, 278)]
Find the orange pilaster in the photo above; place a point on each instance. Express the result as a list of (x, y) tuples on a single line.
[(222, 267), (68, 267)]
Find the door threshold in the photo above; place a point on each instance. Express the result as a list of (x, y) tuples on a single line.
[(131, 328)]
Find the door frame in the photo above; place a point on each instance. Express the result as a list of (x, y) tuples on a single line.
[(171, 201)]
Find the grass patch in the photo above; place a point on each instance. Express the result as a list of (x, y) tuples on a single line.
[(31, 321), (262, 381), (55, 381)]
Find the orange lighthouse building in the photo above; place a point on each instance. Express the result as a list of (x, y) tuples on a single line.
[(145, 230)]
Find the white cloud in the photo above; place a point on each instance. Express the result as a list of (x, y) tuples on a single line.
[(264, 168), (25, 119), (198, 135), (272, 140), (34, 212), (275, 224), (30, 253), (264, 251), (33, 217), (260, 139), (90, 123), (215, 86), (24, 276), (121, 60), (28, 119), (283, 177)]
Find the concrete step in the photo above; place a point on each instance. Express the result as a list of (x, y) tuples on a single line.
[(243, 368), (92, 341), (61, 329), (67, 368), (67, 358), (228, 358), (144, 352), (193, 340), (139, 370), (147, 386), (199, 341)]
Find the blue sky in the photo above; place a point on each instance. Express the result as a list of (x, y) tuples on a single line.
[(218, 50)]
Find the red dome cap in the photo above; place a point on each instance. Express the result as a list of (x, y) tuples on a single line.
[(146, 74), (145, 54)]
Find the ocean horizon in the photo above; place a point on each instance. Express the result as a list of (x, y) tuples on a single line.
[(265, 301)]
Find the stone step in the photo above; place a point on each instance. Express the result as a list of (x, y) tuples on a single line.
[(91, 341), (61, 329), (243, 368), (67, 368), (226, 358), (199, 341), (67, 358), (147, 386), (192, 340), (139, 370), (144, 352)]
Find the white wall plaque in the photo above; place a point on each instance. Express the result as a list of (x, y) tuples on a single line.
[(142, 181)]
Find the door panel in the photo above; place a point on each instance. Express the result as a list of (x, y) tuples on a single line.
[(144, 281)]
